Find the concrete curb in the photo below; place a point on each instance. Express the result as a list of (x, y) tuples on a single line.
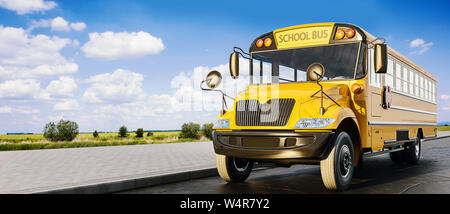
[(129, 184)]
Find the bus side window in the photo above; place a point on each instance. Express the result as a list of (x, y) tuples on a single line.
[(389, 77), (374, 79), (411, 81), (398, 80)]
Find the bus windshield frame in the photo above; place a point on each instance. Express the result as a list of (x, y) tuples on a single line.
[(284, 66)]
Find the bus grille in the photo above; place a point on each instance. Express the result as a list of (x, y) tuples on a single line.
[(275, 112)]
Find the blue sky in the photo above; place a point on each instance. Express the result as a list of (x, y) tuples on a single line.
[(176, 40)]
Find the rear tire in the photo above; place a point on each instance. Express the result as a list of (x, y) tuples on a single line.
[(413, 151), (232, 169), (337, 169), (396, 157)]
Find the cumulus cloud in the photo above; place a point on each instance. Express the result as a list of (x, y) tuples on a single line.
[(78, 26), (17, 110), (66, 105), (27, 6), (445, 97), (122, 45), (189, 96), (27, 89), (28, 56), (63, 87), (57, 24), (121, 86), (419, 46)]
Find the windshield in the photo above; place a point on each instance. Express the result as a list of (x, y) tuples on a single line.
[(290, 65)]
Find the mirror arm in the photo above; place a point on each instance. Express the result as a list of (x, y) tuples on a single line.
[(373, 42), (224, 102), (241, 52)]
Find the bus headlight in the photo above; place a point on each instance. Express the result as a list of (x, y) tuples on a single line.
[(222, 124), (307, 123)]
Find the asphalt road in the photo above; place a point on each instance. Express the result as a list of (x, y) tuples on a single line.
[(379, 175)]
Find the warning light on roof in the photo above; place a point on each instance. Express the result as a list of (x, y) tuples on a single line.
[(268, 42), (350, 33), (259, 43), (340, 34)]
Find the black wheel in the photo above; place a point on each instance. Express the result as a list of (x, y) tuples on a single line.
[(337, 169), (233, 169), (413, 151), (396, 157)]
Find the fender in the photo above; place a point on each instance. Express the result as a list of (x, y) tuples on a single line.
[(345, 113)]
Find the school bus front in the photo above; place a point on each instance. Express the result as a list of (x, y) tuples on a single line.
[(306, 102)]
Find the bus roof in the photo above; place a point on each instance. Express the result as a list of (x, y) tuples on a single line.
[(364, 36), (400, 56)]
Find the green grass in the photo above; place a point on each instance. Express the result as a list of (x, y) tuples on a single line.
[(443, 128), (37, 141), (88, 136)]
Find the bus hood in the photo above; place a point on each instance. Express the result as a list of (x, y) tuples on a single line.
[(301, 98)]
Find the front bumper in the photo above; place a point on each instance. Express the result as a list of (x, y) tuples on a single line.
[(270, 146)]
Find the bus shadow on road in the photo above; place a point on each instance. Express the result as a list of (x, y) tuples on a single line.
[(378, 176)]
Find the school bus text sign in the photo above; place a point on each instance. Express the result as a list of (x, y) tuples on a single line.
[(300, 37)]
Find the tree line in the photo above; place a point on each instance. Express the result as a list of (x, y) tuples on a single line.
[(66, 130)]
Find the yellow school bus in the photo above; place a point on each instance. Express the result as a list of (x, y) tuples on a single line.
[(327, 94)]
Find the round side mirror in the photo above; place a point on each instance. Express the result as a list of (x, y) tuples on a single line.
[(234, 65), (315, 72), (213, 79)]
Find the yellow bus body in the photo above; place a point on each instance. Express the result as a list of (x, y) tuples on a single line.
[(374, 125)]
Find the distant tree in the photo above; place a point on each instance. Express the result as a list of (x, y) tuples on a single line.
[(207, 130), (95, 134), (190, 130), (50, 131), (149, 134), (65, 130), (140, 132), (123, 131)]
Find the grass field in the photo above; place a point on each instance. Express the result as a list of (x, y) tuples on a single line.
[(443, 128), (37, 141)]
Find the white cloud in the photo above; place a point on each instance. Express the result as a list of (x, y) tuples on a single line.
[(121, 86), (56, 24), (27, 56), (66, 105), (190, 97), (445, 97), (63, 87), (78, 26), (27, 6), (59, 24), (17, 110), (122, 45), (420, 46), (23, 90)]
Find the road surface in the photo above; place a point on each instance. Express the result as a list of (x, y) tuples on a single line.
[(379, 175)]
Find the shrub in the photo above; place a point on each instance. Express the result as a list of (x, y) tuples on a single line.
[(65, 130), (140, 132), (50, 131), (190, 130), (207, 130), (149, 134), (95, 134), (123, 131)]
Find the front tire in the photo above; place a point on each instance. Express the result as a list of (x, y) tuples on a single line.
[(233, 170), (337, 169)]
